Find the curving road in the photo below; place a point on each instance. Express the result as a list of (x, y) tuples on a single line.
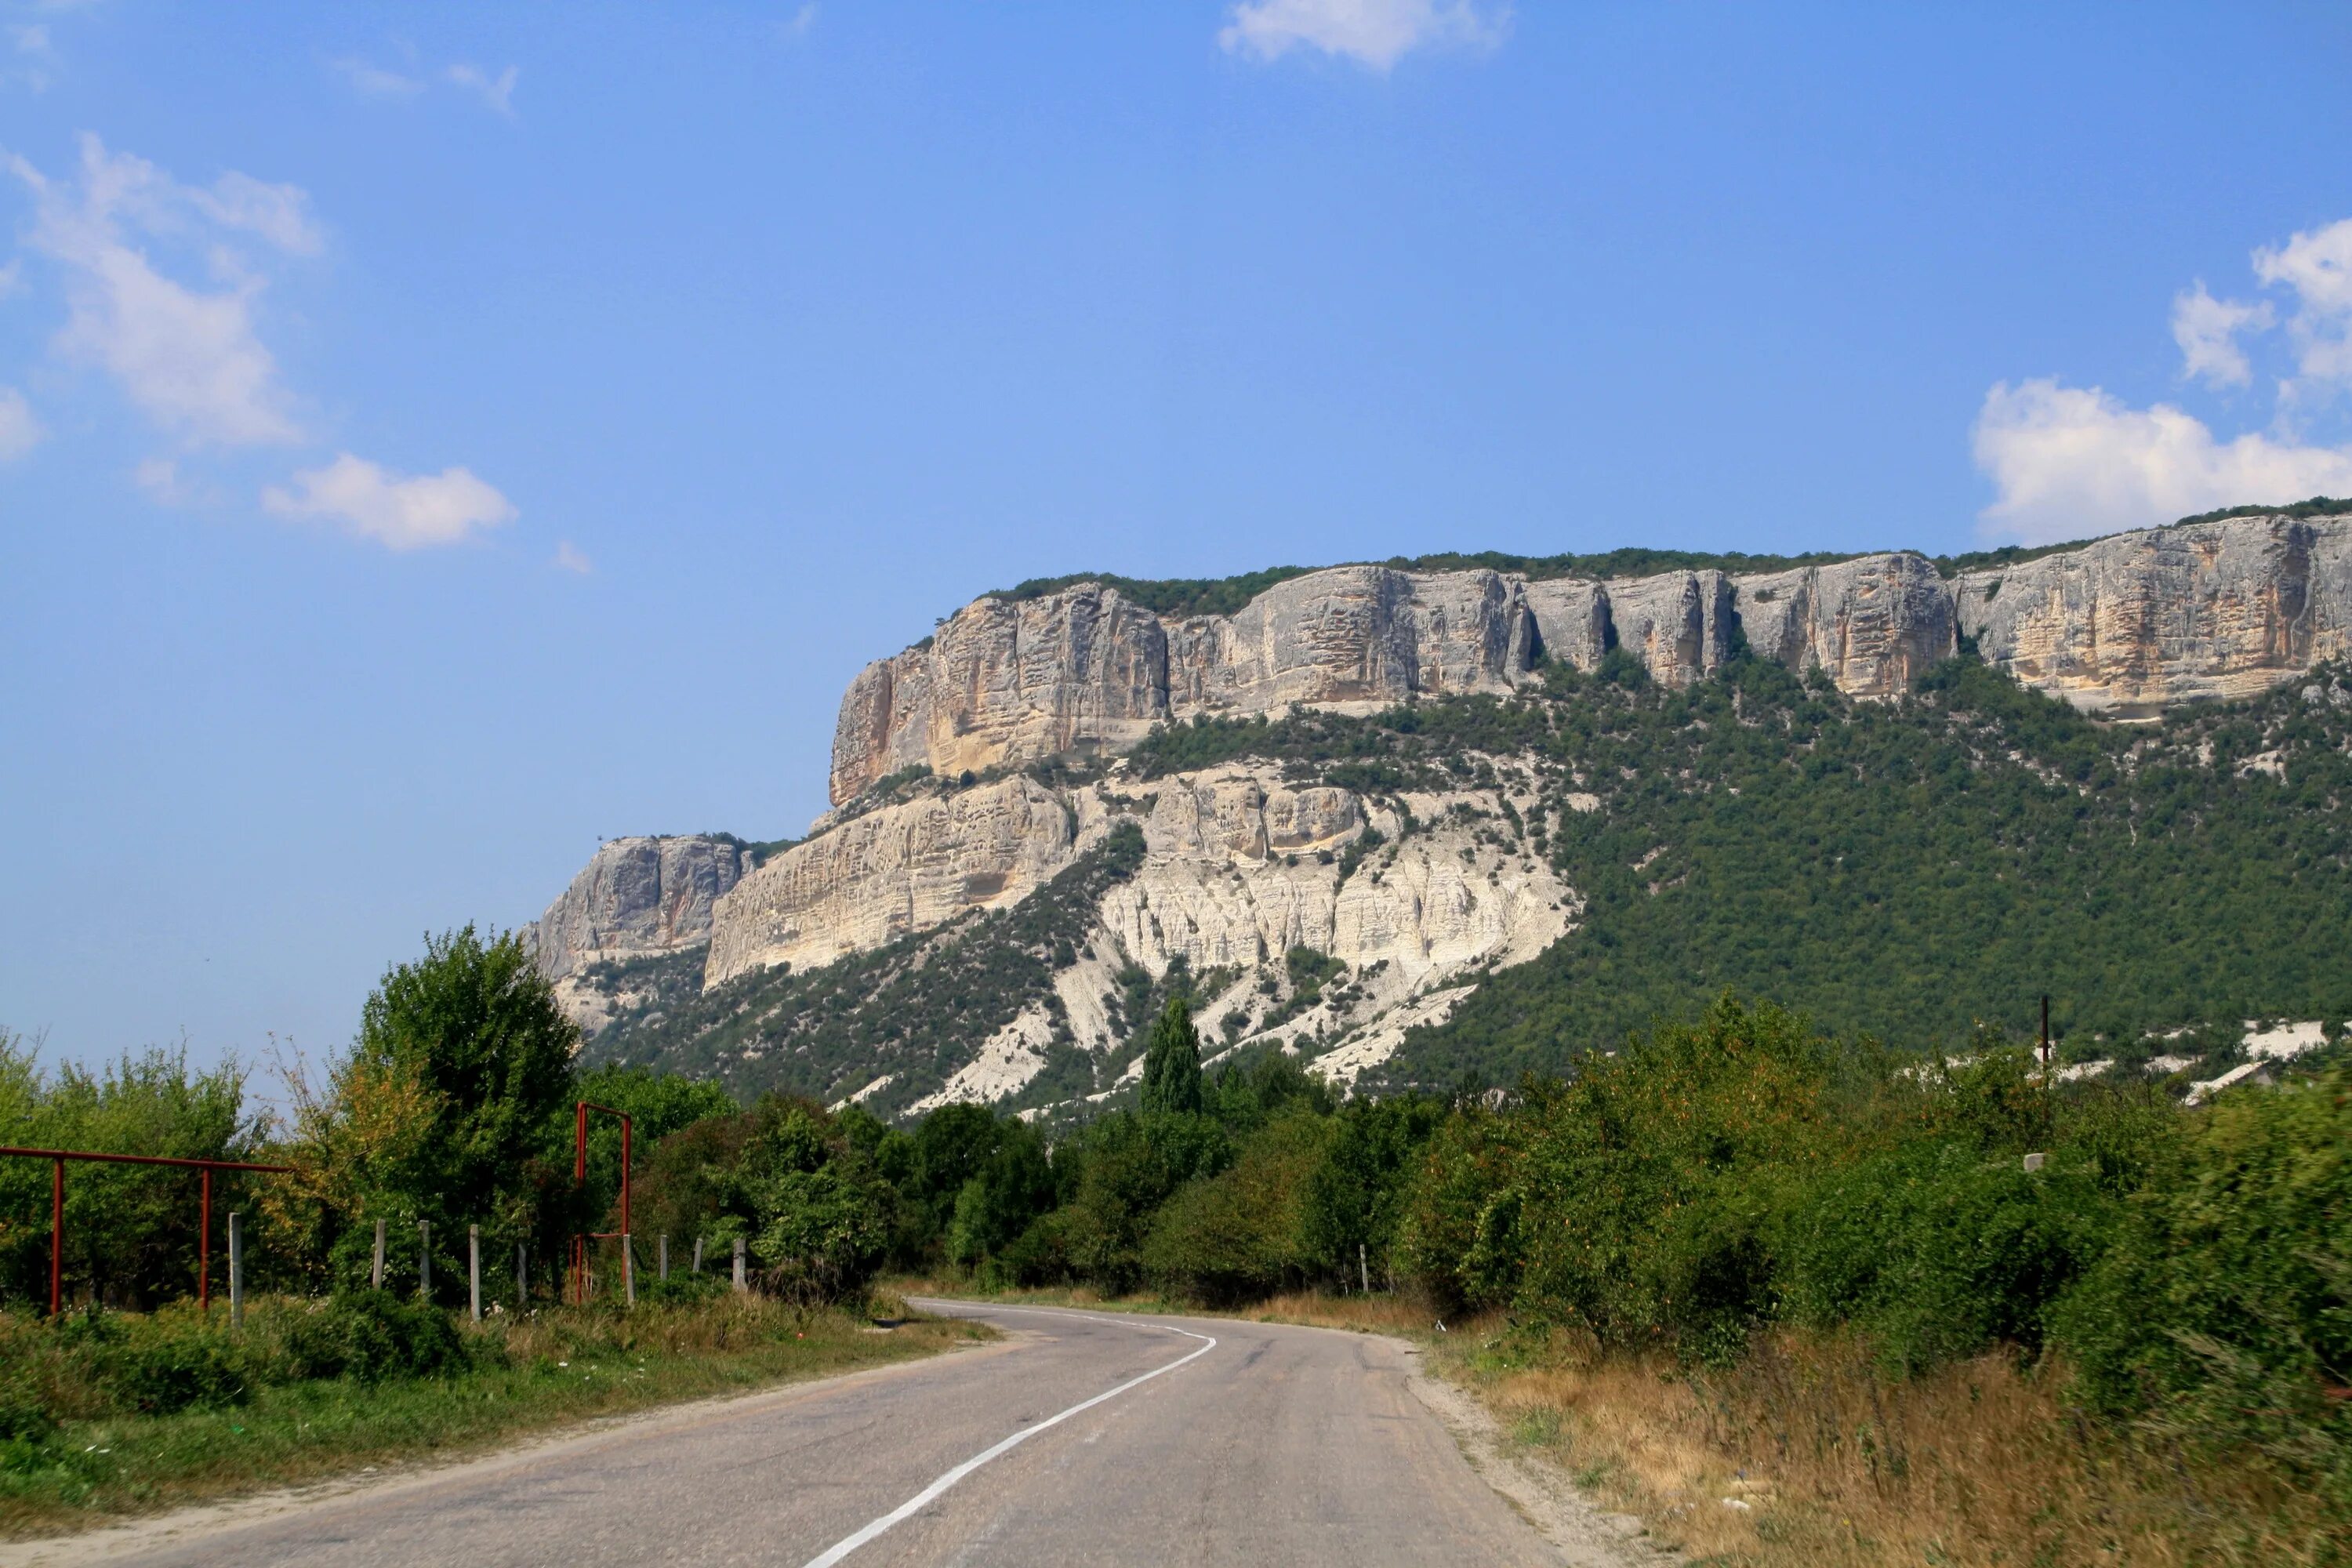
[(1080, 1439)]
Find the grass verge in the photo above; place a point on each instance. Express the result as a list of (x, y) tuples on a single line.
[(521, 1376), (1803, 1454)]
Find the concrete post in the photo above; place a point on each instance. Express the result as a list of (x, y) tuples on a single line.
[(236, 1269), (523, 1276), (375, 1273), (740, 1282), (665, 1257), (1363, 1269), (697, 1254), (474, 1269), (425, 1258), (628, 1270)]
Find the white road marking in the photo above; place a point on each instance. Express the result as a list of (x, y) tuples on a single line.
[(914, 1505)]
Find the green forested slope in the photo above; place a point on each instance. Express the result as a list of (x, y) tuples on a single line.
[(1908, 869)]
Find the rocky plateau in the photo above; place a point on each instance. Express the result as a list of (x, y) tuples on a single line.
[(1408, 897)]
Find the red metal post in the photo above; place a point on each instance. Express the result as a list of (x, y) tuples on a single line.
[(580, 1176), (58, 1158), (204, 1248), (57, 1236)]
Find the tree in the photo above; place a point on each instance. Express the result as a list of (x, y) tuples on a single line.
[(438, 1113), (1171, 1065)]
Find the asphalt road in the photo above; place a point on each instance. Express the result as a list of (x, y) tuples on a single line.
[(1084, 1439)]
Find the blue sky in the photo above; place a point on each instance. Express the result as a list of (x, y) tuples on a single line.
[(432, 437)]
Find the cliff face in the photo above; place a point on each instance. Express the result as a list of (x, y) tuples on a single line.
[(2132, 623), (637, 896), (902, 868), (2128, 624)]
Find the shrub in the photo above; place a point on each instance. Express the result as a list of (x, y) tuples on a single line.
[(372, 1336), (169, 1363), (2224, 1309), (1937, 1251)]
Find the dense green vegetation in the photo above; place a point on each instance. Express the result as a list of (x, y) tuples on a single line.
[(1711, 1181), (1906, 869)]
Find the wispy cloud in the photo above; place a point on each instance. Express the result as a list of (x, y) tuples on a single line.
[(2207, 331), (571, 560), (186, 354), (1375, 34), (2317, 267), (497, 91), (798, 24), (2066, 461), (20, 431), (399, 513), (374, 80)]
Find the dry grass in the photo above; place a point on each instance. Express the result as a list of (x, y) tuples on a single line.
[(1802, 1455)]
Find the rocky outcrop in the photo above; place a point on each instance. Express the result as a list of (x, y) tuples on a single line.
[(636, 898), (1873, 623), (1085, 669), (902, 868), (2125, 624), (2129, 624)]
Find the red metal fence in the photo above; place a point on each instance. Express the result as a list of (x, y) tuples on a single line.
[(58, 1208)]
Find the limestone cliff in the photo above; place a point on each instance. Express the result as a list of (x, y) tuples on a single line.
[(2127, 622), (636, 898), (902, 868), (2132, 623)]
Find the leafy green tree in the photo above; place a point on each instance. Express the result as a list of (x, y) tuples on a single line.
[(440, 1114), (997, 1206), (1171, 1063)]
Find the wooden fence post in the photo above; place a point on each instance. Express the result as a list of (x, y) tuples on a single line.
[(740, 1282), (375, 1273), (474, 1269), (236, 1269)]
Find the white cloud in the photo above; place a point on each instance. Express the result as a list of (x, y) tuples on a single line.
[(571, 560), (188, 356), (1373, 33), (2069, 462), (2319, 267), (446, 508), (20, 431), (799, 24), (497, 91), (2207, 331)]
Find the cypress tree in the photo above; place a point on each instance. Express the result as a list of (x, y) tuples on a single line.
[(1171, 1068)]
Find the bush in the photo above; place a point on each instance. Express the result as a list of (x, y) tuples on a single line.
[(1937, 1252), (169, 1363), (372, 1336), (2224, 1309)]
